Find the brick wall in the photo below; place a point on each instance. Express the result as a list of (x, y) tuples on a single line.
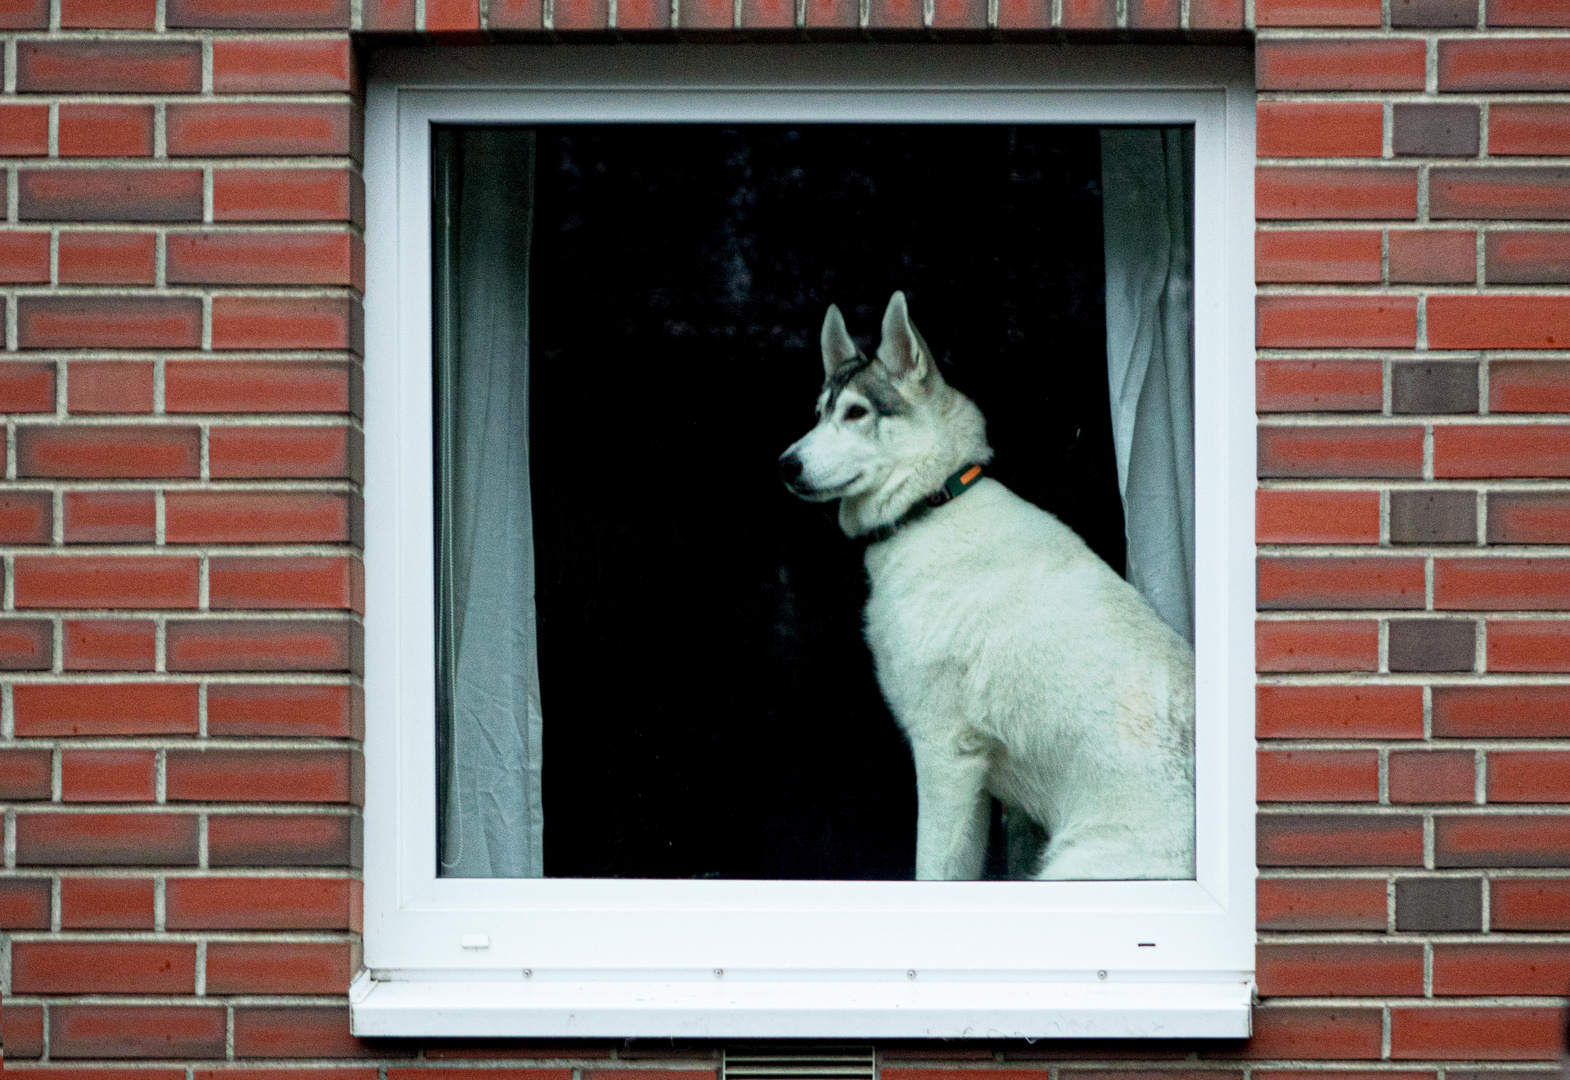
[(181, 263)]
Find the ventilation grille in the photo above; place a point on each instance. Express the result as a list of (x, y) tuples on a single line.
[(821, 1063)]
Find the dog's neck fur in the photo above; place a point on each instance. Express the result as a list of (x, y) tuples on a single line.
[(962, 441)]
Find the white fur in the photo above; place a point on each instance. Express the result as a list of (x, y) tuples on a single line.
[(1017, 662)]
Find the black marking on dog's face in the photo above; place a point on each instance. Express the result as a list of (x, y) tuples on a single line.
[(870, 380)]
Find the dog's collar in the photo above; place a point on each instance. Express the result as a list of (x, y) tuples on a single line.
[(955, 486)]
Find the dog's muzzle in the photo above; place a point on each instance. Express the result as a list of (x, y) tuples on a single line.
[(790, 470)]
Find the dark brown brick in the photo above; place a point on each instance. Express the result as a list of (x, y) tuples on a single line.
[(1433, 12), (109, 195), (1433, 644), (1444, 386), (1439, 904), (1433, 517), (283, 840), (1512, 257), (1435, 130), (259, 14)]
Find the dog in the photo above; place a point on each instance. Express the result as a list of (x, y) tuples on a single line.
[(1016, 661)]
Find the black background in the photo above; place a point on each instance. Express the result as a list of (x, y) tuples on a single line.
[(710, 708)]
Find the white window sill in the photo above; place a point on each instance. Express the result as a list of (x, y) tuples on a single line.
[(395, 1004)]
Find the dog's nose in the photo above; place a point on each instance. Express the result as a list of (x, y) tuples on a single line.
[(790, 467)]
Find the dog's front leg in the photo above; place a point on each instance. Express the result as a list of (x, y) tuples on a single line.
[(951, 812)]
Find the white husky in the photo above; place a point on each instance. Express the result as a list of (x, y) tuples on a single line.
[(1017, 662)]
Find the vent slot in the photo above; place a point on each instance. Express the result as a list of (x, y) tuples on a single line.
[(780, 1063)]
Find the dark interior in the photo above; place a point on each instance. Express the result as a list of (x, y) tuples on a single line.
[(710, 708)]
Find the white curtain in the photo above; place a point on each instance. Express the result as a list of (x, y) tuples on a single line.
[(492, 823), (1148, 215)]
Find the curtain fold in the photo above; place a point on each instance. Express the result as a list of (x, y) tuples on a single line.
[(490, 729), (1148, 214)]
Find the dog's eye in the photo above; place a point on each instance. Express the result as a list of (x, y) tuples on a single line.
[(855, 412)]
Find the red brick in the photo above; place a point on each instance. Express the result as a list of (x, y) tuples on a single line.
[(260, 14), (1527, 193), (1316, 517), (110, 645), (26, 644), (108, 14), (270, 903), (1340, 840), (287, 195), (1529, 776), (107, 451), (1154, 14), (24, 129), (114, 258), (1528, 645), (23, 1025), (1012, 14), (1318, 256), (26, 517), (770, 14), (1319, 321), (279, 840), (1322, 904), (44, 709), (655, 15), (109, 322), (103, 967), (1529, 904), (1501, 712), (1215, 14), (106, 840), (1340, 712), (106, 581), (310, 711), (268, 322), (1531, 64), (293, 517), (450, 15), (258, 129), (136, 1031), (503, 14), (1527, 13), (399, 15), (291, 776), (270, 258), (1502, 840), (267, 66), (1462, 970), (27, 387), (1089, 15), (1315, 1033), (1331, 970), (95, 903), (1432, 776), (109, 386), (119, 195), (1316, 13), (24, 256), (109, 67), (24, 905), (306, 582), (1317, 645), (110, 517), (278, 967), (24, 774), (1528, 517), (533, 1072), (1433, 257), (324, 452), (1318, 776), (1515, 257), (288, 1031), (107, 776), (105, 130), (1527, 130), (1501, 585), (1474, 450), (1479, 1033), (949, 14), (1352, 193), (1328, 64), (24, 15), (265, 386), (1341, 451), (594, 14), (1319, 385), (262, 645)]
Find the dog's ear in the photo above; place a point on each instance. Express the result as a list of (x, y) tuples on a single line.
[(838, 348), (902, 349)]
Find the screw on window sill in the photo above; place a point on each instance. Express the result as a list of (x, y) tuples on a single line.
[(1101, 974)]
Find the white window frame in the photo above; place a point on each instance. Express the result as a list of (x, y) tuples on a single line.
[(866, 959)]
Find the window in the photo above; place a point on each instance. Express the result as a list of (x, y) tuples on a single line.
[(629, 771)]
